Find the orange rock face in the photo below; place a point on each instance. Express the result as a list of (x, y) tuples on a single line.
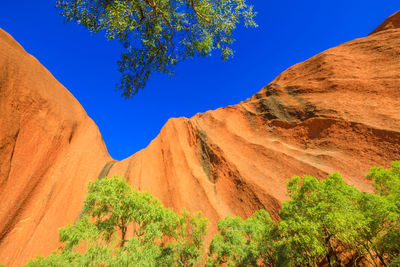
[(337, 111), (49, 150)]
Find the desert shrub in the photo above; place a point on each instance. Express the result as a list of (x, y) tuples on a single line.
[(124, 227), (324, 222), (244, 242)]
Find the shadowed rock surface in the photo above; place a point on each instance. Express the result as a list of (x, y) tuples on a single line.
[(337, 111), (392, 22)]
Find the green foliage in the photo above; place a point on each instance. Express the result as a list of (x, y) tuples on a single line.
[(157, 34), (114, 205), (192, 230), (320, 217), (244, 242), (382, 213), (386, 181), (124, 227), (324, 222)]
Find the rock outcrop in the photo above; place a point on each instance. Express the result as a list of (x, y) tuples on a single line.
[(49, 150), (337, 111)]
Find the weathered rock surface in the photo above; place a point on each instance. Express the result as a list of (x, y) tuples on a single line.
[(337, 111), (49, 150), (392, 22)]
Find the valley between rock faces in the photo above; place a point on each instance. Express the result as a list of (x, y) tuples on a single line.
[(337, 111)]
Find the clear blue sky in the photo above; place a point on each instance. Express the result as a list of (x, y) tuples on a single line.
[(289, 32)]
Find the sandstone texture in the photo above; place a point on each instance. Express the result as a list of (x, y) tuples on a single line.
[(337, 111), (49, 150)]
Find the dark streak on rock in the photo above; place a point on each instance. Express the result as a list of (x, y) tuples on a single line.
[(15, 138), (103, 173)]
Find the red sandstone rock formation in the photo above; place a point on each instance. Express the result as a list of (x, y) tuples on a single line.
[(337, 111), (49, 150)]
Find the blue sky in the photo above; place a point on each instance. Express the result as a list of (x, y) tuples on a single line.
[(289, 32)]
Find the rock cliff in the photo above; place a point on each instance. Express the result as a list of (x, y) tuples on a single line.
[(337, 111)]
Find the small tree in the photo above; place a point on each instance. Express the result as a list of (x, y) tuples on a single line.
[(192, 230), (124, 227), (321, 217), (381, 238), (241, 242)]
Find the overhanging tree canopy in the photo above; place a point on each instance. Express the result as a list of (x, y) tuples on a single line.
[(157, 34)]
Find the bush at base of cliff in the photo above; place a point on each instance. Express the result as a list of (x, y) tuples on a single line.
[(124, 227), (244, 242), (325, 222)]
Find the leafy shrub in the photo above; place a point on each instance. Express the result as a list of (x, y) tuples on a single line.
[(324, 222), (124, 227)]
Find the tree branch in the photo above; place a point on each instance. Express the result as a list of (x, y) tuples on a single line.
[(198, 14)]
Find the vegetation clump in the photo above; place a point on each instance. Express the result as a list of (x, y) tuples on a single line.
[(158, 34), (325, 222), (124, 227)]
